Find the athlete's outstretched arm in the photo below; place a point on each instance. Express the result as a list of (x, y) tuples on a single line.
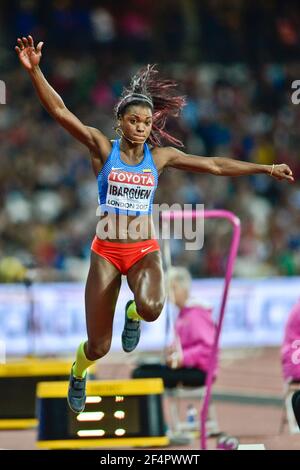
[(221, 166), (30, 57)]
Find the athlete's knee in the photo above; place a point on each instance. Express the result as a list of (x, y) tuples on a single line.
[(97, 349), (149, 309)]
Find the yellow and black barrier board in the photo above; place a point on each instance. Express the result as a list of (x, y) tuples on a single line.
[(37, 367), (117, 413), (18, 423), (18, 383), (105, 443), (104, 388)]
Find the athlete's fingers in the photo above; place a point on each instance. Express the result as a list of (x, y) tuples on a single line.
[(20, 44), (18, 50), (288, 174), (39, 46), (30, 40), (25, 42)]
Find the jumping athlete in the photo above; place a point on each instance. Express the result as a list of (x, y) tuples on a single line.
[(127, 172)]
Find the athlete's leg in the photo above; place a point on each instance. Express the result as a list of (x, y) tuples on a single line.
[(146, 280), (101, 294)]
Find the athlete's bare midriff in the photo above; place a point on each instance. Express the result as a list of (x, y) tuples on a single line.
[(125, 229)]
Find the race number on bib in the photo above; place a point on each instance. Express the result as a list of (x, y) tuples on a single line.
[(131, 191)]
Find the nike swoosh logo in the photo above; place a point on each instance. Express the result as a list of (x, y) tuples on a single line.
[(146, 249)]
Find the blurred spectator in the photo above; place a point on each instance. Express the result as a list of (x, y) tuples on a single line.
[(290, 351), (11, 270), (103, 27)]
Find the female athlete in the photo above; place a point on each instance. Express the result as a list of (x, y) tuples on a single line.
[(127, 172)]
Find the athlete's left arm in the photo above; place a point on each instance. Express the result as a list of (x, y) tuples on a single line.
[(221, 166)]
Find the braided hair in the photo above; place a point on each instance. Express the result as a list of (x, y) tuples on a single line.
[(146, 88)]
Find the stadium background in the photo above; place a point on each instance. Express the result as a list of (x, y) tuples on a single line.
[(234, 60)]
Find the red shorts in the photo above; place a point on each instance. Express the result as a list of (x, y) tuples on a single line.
[(123, 255)]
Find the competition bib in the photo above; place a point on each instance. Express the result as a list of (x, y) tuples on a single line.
[(131, 191)]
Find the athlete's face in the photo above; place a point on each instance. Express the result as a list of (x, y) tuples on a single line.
[(136, 123)]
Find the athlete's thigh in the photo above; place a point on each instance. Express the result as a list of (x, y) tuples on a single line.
[(146, 278), (101, 294)]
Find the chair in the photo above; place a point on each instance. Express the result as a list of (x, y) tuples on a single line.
[(184, 383), (187, 427)]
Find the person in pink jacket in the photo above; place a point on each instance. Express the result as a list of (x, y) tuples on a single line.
[(290, 350), (187, 358)]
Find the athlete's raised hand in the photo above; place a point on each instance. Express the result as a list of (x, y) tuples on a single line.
[(282, 172), (29, 55)]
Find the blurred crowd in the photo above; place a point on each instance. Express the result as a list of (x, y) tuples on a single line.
[(235, 63)]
